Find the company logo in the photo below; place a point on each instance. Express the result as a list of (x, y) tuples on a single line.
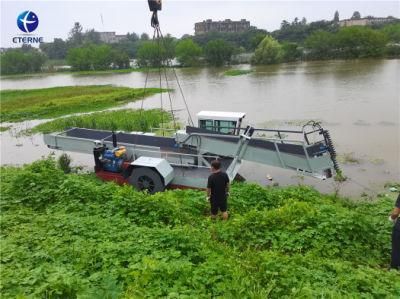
[(27, 21)]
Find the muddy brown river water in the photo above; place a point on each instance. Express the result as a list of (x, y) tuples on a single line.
[(358, 101)]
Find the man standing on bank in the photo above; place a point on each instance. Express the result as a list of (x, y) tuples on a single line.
[(394, 217), (218, 190)]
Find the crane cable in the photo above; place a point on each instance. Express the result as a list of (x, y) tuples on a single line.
[(159, 36), (144, 92), (169, 64), (160, 80)]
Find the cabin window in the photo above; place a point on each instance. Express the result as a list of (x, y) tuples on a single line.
[(207, 124), (225, 126)]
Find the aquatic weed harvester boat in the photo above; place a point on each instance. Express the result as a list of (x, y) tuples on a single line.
[(153, 163)]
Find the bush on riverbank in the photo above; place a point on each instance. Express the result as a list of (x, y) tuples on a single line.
[(19, 105), (70, 235), (97, 57), (218, 52), (20, 61), (348, 42), (188, 52), (269, 51)]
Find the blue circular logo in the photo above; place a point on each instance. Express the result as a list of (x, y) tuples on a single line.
[(27, 21)]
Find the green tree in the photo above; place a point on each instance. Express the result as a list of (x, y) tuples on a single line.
[(169, 44), (218, 52), (269, 51), (348, 42), (75, 35), (20, 61), (320, 44), (336, 17), (150, 54), (133, 37), (91, 37), (144, 36), (291, 51), (36, 61), (56, 50), (120, 59), (256, 40), (188, 52), (357, 42), (292, 32), (248, 39), (101, 57), (284, 24), (356, 15), (392, 32), (13, 62), (80, 59), (128, 47), (97, 57)]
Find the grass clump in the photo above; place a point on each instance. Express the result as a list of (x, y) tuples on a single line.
[(348, 158), (340, 177), (3, 129), (64, 163), (392, 185), (72, 236), (122, 120), (237, 72), (19, 105)]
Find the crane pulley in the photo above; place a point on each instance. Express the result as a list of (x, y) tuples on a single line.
[(154, 6)]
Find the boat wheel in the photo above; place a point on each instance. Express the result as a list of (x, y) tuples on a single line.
[(146, 179)]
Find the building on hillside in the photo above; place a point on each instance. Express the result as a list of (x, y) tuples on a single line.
[(111, 37), (221, 26), (366, 21)]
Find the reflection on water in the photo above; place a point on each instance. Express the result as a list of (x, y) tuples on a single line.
[(357, 100)]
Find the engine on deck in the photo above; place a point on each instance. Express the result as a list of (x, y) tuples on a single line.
[(109, 160)]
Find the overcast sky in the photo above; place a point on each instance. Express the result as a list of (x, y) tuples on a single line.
[(56, 18)]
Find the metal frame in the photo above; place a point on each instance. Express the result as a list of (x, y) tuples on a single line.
[(232, 149)]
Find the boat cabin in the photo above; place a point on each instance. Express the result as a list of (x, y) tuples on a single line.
[(221, 121)]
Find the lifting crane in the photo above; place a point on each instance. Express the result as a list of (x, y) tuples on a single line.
[(153, 163)]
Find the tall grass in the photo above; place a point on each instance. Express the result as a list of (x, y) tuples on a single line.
[(124, 120), (19, 105)]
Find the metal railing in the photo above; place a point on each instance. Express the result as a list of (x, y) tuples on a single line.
[(279, 133), (169, 155)]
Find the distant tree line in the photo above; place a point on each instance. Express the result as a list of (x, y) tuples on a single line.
[(348, 42), (295, 40), (345, 43), (298, 40), (97, 57)]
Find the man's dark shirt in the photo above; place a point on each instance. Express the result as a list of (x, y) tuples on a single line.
[(397, 225), (217, 182)]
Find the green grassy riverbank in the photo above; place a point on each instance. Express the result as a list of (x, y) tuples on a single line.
[(20, 105), (72, 236)]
